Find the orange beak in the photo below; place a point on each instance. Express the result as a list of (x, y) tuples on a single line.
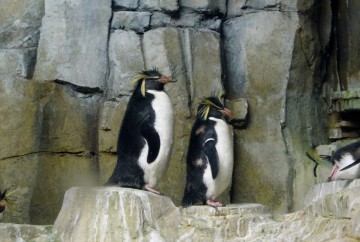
[(166, 79), (227, 112)]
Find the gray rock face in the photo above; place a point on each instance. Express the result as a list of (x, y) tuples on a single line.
[(128, 4), (19, 35), (265, 91), (205, 5), (185, 19), (72, 23), (201, 50), (127, 20), (349, 36), (123, 67)]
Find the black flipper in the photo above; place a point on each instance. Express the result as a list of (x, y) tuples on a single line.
[(152, 137), (210, 152), (351, 165)]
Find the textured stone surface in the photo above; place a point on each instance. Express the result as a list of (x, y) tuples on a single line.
[(123, 66), (320, 190), (128, 4), (128, 215), (265, 91), (348, 41), (23, 185), (25, 232), (185, 19), (205, 5), (56, 173), (17, 62), (110, 118), (20, 116), (169, 5), (19, 35), (201, 51), (70, 121), (19, 23), (63, 54), (127, 20)]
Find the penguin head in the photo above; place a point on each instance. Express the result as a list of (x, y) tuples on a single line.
[(150, 80), (213, 107)]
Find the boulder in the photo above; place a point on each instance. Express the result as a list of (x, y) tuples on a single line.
[(73, 42), (116, 214)]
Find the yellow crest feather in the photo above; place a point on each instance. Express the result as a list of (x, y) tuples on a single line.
[(141, 77)]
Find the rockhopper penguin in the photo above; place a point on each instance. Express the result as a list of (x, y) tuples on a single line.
[(210, 154), (346, 161), (146, 134)]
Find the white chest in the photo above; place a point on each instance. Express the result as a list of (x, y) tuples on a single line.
[(225, 150), (351, 173), (164, 126)]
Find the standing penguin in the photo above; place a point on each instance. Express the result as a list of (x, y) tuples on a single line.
[(146, 134), (210, 154), (346, 161)]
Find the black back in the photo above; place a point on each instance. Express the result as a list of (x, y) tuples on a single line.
[(199, 149), (353, 149)]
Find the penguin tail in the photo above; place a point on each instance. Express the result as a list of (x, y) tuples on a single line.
[(186, 202)]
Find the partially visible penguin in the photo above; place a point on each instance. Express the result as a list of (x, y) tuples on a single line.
[(346, 161), (3, 202), (146, 134), (210, 154)]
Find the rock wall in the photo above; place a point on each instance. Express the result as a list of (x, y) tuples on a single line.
[(64, 86)]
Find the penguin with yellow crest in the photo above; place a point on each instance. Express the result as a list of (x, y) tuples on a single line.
[(210, 154), (146, 134)]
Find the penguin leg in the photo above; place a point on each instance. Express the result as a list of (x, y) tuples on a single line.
[(333, 172), (150, 189)]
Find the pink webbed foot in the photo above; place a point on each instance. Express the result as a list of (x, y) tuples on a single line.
[(213, 203), (150, 189)]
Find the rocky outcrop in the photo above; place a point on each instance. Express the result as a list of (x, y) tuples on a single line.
[(116, 214), (113, 214)]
